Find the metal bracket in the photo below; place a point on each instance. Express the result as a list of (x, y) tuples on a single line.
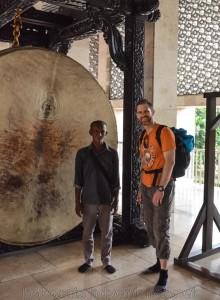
[(114, 40)]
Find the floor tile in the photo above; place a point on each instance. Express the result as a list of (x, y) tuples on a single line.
[(66, 254), (19, 265), (149, 256), (71, 254), (211, 263), (125, 265), (196, 293), (66, 281), (80, 296), (212, 286), (180, 239), (25, 288), (127, 288)]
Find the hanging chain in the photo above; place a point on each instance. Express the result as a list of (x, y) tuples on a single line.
[(17, 26)]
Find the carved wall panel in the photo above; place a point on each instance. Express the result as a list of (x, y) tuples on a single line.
[(117, 76), (93, 55), (199, 47)]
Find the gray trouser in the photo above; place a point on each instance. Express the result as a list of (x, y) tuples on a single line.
[(157, 219), (105, 218)]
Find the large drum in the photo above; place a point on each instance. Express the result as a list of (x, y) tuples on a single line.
[(47, 102)]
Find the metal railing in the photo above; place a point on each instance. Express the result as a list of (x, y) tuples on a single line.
[(196, 168)]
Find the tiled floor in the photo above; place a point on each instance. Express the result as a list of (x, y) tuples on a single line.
[(51, 273)]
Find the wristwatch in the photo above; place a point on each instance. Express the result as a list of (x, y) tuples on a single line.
[(161, 188)]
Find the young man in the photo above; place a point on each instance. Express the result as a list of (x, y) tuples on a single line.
[(96, 194), (156, 187)]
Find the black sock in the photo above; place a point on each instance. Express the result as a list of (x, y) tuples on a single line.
[(163, 277), (155, 268)]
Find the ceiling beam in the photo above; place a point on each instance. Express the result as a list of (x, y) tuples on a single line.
[(45, 19), (30, 35), (76, 30), (8, 7), (71, 4)]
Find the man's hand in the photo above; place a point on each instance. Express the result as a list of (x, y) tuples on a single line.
[(79, 209), (157, 198), (139, 199), (114, 206)]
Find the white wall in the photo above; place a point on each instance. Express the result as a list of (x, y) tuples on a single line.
[(186, 119), (119, 121), (79, 51), (165, 63)]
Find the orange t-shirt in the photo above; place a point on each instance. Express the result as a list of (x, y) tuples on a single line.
[(151, 153)]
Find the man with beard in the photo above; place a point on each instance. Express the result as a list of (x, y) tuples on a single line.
[(156, 187), (96, 194)]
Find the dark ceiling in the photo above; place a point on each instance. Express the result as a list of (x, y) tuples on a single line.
[(50, 22)]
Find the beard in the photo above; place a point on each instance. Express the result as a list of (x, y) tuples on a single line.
[(146, 120)]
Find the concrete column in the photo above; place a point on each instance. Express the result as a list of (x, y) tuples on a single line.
[(161, 63), (149, 61), (4, 45), (104, 65)]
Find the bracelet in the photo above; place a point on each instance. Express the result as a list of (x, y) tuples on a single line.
[(161, 188)]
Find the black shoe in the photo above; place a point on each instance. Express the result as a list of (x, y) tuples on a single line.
[(110, 269), (153, 269), (84, 268), (161, 285)]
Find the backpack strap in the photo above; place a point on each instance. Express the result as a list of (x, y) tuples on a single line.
[(156, 172), (142, 136), (158, 133)]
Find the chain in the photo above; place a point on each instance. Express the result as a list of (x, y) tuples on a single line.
[(17, 26)]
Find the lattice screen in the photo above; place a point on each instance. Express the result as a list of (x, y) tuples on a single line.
[(198, 47)]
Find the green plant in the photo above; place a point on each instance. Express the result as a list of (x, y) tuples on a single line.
[(200, 119)]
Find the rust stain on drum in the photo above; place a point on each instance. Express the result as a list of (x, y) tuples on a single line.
[(15, 182), (52, 144), (44, 177), (48, 199), (29, 152)]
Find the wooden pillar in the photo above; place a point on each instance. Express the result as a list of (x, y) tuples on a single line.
[(133, 91), (209, 177)]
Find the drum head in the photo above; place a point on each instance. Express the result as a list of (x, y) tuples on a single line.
[(47, 102)]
